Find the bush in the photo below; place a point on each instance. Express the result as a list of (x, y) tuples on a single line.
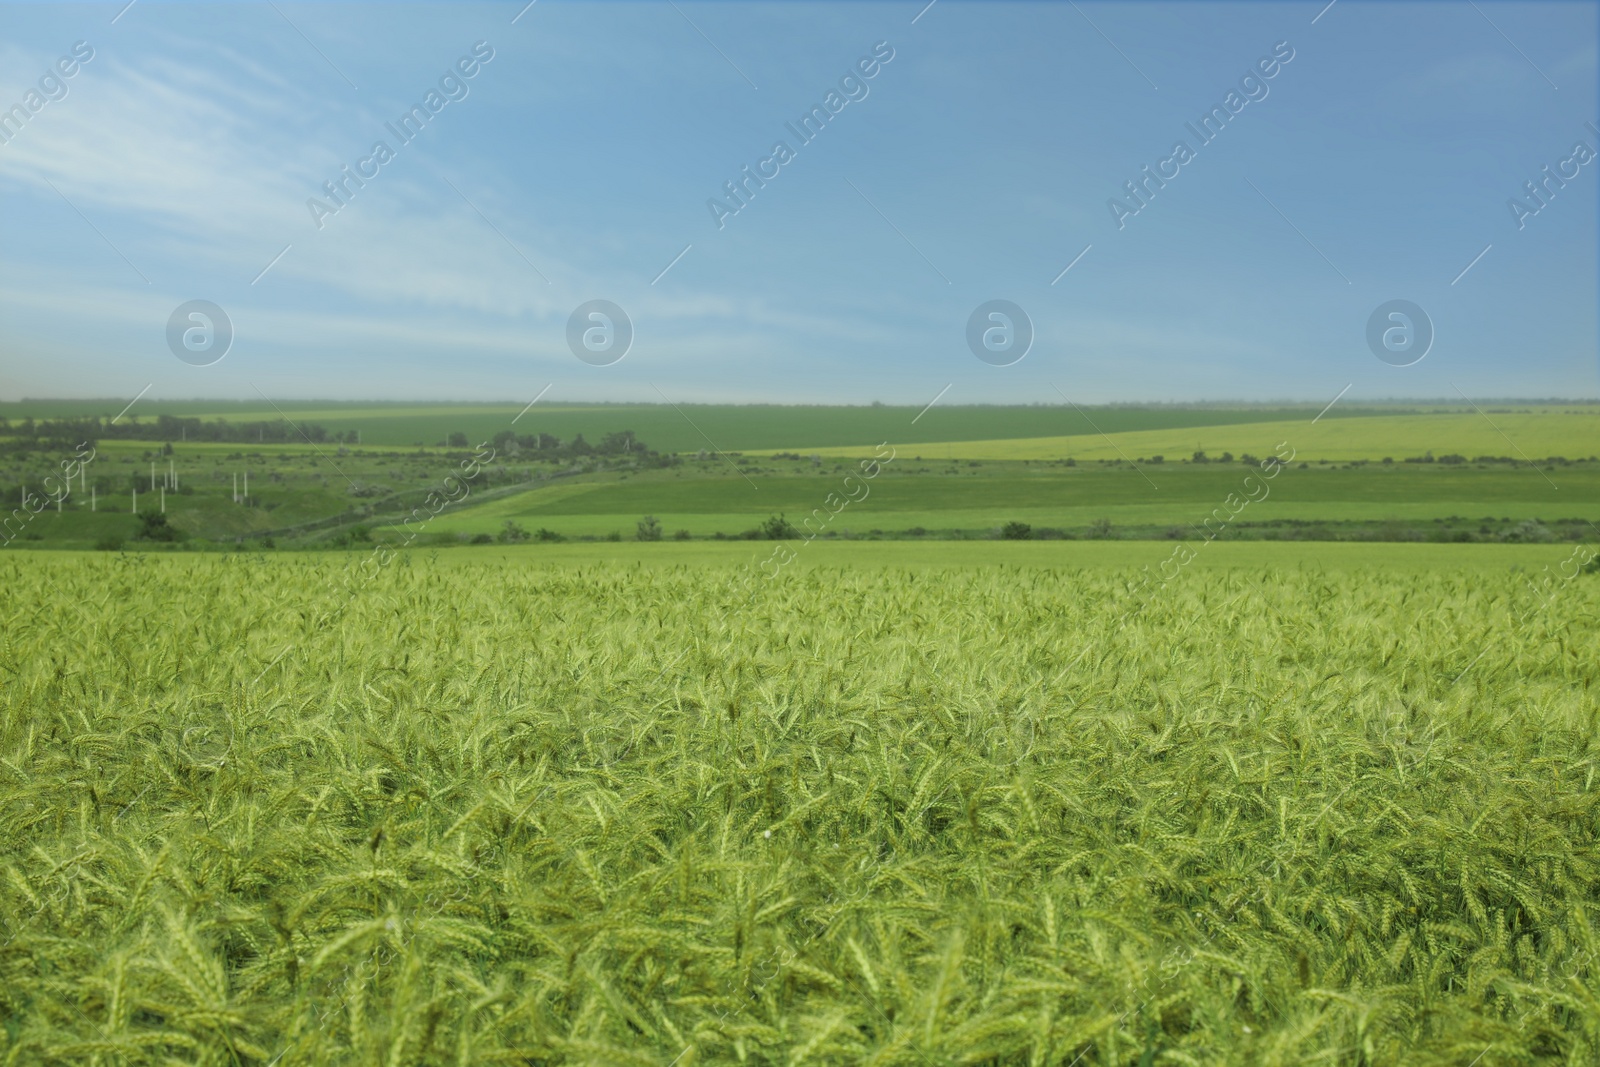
[(1099, 529), (513, 534), (153, 526), (778, 528), (681, 535), (1528, 531), (1016, 531), (547, 535), (649, 529), (482, 539), (109, 543)]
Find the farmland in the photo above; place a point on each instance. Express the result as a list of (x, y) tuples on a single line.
[(736, 427), (1526, 432), (504, 808), (1269, 751), (1434, 474), (1414, 499)]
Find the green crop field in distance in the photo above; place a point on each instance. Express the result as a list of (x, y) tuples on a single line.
[(286, 809), (710, 498), (301, 492), (1530, 434), (734, 427)]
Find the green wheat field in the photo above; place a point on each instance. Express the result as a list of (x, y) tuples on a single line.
[(283, 808)]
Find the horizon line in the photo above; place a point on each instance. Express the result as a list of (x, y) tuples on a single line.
[(436, 402)]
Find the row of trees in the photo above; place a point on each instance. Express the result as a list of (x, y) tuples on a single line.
[(58, 433), (64, 432), (548, 446)]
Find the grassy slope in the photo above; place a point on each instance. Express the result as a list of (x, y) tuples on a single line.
[(708, 500), (490, 813)]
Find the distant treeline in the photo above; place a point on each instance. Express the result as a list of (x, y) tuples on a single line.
[(169, 428), (62, 433), (548, 446)]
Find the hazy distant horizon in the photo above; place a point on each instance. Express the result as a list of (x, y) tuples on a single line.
[(255, 403)]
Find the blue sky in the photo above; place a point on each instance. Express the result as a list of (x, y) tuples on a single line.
[(577, 163)]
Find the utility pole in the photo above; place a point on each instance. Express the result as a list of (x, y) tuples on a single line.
[(136, 501)]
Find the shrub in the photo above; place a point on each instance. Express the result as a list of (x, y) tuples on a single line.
[(512, 534), (1528, 531), (649, 529), (153, 526), (778, 528), (1016, 531)]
